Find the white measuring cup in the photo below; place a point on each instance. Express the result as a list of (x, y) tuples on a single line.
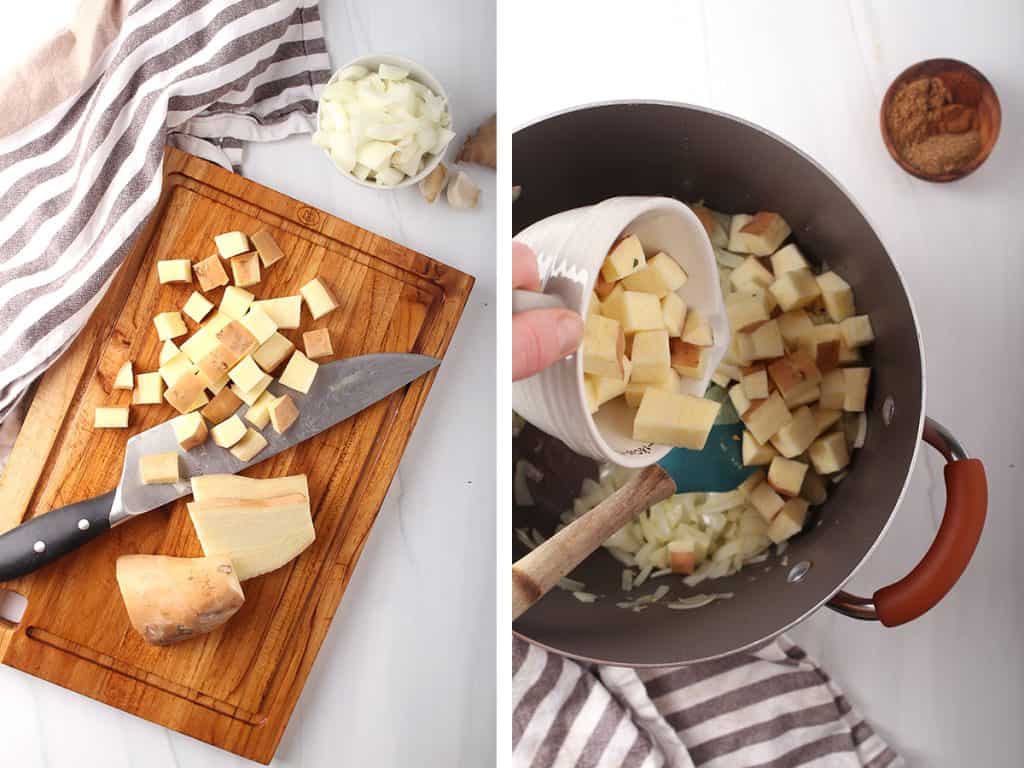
[(571, 247)]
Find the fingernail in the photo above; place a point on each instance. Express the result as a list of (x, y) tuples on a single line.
[(570, 331)]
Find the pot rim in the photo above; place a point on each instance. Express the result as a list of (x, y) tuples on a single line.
[(920, 346)]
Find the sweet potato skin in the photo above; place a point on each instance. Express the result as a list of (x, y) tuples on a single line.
[(170, 599)]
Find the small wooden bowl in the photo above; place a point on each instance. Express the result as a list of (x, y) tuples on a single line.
[(969, 87)]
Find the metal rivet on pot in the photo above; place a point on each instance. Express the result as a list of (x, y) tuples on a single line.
[(888, 410), (798, 571)]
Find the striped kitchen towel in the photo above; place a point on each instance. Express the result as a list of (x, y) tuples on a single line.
[(769, 708), (83, 124)]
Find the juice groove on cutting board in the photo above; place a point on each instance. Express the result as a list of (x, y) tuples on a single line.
[(234, 688)]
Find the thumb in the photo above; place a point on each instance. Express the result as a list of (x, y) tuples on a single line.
[(541, 337)]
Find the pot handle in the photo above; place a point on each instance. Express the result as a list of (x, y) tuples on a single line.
[(947, 558)]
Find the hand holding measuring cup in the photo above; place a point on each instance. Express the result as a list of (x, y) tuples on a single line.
[(542, 336)]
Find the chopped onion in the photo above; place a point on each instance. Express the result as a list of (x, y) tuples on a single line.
[(697, 601), (585, 597), (570, 585), (627, 580), (855, 427), (391, 72), (521, 493), (724, 221), (697, 576), (381, 126), (728, 259), (723, 281), (623, 557), (354, 72), (524, 538), (642, 576), (645, 600), (589, 488)]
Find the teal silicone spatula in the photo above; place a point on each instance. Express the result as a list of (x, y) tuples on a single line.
[(719, 467)]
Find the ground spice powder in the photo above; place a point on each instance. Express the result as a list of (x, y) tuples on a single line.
[(929, 130)]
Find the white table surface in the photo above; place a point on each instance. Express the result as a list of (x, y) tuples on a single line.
[(947, 689), (403, 678)]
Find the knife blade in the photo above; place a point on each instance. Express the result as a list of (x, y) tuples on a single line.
[(340, 390)]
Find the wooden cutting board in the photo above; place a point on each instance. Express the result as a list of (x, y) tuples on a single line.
[(235, 688)]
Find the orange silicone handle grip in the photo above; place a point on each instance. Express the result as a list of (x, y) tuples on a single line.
[(947, 558)]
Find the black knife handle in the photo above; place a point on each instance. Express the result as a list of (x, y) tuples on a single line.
[(43, 539)]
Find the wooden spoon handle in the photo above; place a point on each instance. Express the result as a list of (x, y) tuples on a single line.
[(534, 574)]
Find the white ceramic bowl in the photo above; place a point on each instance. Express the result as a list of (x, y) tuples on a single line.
[(420, 75), (570, 248)]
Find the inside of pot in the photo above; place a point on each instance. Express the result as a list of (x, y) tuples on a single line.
[(692, 154)]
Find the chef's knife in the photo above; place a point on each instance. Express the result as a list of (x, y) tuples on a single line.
[(340, 389)]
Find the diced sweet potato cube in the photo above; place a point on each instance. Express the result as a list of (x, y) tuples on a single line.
[(756, 454), (766, 501), (174, 271), (766, 417), (185, 393), (786, 476), (661, 275), (829, 454), (267, 248), (246, 269), (788, 259), (789, 521), (697, 329), (681, 558), (634, 311), (855, 385), (763, 234), (674, 419), (625, 257), (650, 356), (604, 347), (190, 430), (603, 287), (795, 290), (837, 296), (317, 343), (231, 244), (216, 363), (210, 272), (238, 339), (283, 413), (689, 360), (673, 314), (796, 437), (318, 298)]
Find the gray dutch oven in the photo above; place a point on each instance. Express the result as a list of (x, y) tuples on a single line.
[(586, 155)]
